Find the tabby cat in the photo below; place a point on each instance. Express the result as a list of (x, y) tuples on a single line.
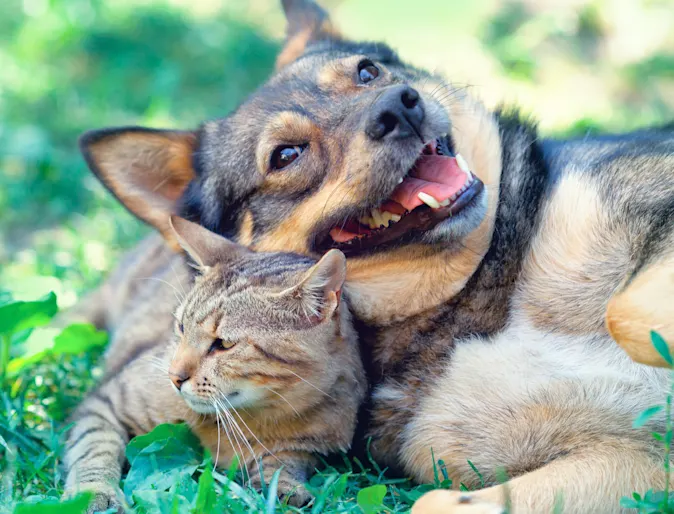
[(264, 366)]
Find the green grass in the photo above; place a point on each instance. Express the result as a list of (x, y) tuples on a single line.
[(73, 65), (44, 373)]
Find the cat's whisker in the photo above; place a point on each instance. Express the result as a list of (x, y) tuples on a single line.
[(217, 420), (175, 273), (219, 411), (242, 461), (249, 430), (158, 367), (307, 382), (236, 425), (231, 435), (175, 289), (236, 435), (285, 400), (157, 363), (241, 435)]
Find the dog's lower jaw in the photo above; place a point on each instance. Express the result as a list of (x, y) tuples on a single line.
[(392, 286), (389, 287), (455, 229)]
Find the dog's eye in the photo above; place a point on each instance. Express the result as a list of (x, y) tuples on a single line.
[(367, 71), (181, 328), (285, 155), (219, 345)]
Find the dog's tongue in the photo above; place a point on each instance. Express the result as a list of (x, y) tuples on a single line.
[(436, 175)]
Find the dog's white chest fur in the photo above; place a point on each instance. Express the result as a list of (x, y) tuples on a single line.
[(524, 397)]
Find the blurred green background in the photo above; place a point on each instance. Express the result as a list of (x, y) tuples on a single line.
[(72, 65)]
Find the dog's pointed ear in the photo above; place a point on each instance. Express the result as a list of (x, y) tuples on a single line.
[(319, 292), (307, 22), (205, 247), (147, 170)]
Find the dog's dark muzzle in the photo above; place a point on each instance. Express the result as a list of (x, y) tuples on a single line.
[(396, 114)]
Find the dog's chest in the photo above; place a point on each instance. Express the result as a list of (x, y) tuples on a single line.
[(478, 407)]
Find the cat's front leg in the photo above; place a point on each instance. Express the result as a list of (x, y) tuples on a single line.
[(95, 450), (132, 402), (296, 467)]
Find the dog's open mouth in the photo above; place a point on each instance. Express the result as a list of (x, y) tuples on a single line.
[(437, 186)]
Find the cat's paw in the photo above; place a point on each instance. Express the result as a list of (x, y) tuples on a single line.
[(288, 489), (105, 497), (295, 492), (443, 501)]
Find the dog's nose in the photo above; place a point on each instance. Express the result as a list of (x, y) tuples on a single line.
[(397, 113), (178, 379)]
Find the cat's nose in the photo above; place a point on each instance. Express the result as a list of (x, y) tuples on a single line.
[(178, 379)]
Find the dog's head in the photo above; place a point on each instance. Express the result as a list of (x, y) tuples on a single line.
[(344, 147)]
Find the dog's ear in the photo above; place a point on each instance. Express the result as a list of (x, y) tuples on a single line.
[(205, 247), (147, 170), (306, 23)]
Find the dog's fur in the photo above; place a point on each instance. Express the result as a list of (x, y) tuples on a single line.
[(489, 334)]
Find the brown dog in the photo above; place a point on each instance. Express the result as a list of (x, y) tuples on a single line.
[(486, 265)]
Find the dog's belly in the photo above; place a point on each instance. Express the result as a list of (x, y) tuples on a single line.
[(525, 397)]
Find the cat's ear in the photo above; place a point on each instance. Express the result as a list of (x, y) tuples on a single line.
[(307, 22), (320, 290), (146, 169), (205, 247)]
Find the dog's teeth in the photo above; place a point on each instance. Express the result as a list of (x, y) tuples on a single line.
[(429, 200), (395, 218), (445, 203), (368, 222), (463, 164), (386, 218), (365, 220), (400, 181), (377, 218)]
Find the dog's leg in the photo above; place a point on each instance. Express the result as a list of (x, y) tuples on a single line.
[(645, 303), (591, 481)]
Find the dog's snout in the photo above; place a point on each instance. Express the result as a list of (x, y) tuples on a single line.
[(397, 113), (410, 98)]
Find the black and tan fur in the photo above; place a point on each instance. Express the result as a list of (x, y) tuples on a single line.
[(489, 334), (264, 359)]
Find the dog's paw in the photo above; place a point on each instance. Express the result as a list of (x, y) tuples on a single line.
[(443, 501), (106, 497)]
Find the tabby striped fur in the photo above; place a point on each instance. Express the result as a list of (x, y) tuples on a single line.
[(289, 387)]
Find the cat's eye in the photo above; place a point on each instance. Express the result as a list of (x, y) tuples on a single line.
[(219, 345), (181, 328), (285, 155), (367, 71)]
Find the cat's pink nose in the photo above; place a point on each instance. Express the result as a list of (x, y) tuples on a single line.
[(178, 380)]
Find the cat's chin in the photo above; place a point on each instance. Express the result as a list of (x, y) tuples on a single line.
[(200, 406)]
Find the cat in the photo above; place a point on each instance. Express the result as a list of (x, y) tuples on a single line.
[(264, 358)]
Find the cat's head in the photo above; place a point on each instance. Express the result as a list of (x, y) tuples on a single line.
[(258, 329)]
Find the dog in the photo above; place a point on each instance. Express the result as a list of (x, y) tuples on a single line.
[(491, 271)]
